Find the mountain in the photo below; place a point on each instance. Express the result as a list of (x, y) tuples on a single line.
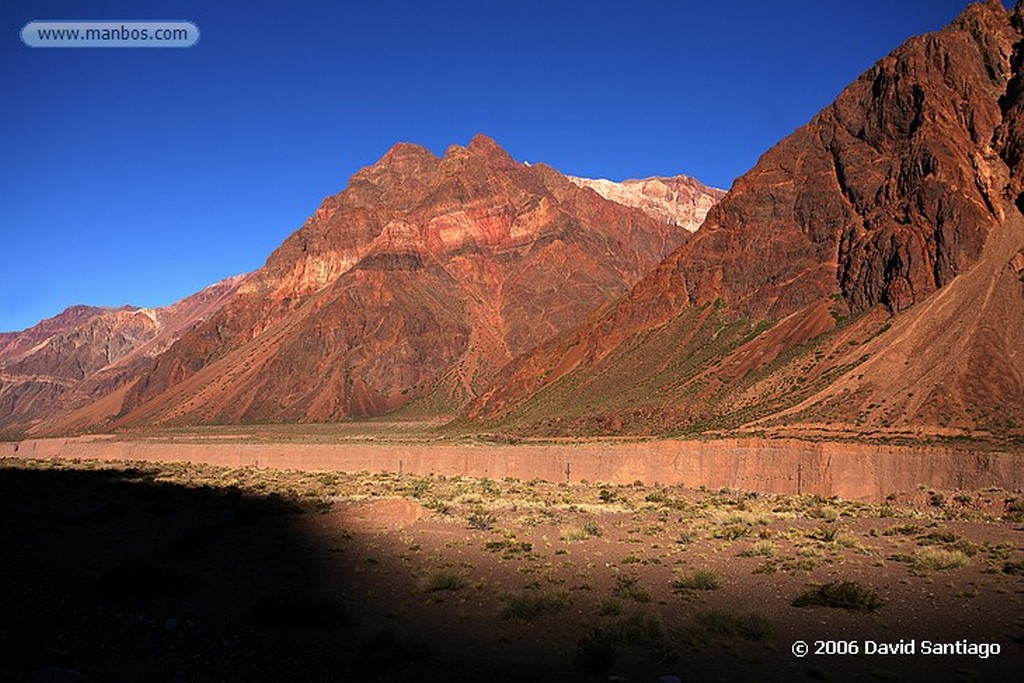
[(864, 278), (677, 200), (67, 361), (411, 288)]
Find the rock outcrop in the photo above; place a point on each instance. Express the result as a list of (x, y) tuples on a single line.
[(678, 200), (880, 202)]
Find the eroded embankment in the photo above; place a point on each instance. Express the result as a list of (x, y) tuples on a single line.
[(785, 466)]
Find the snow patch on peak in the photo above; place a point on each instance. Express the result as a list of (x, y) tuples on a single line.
[(677, 200)]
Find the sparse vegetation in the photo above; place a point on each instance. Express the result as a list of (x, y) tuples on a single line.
[(596, 578), (600, 648), (590, 529), (938, 559), (480, 520), (762, 548), (628, 587), (840, 594), (700, 580), (1014, 567), (446, 581), (610, 607), (508, 547), (710, 625), (530, 606)]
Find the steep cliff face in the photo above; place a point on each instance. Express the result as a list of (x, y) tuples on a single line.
[(79, 355), (883, 199), (419, 281), (884, 196), (678, 200)]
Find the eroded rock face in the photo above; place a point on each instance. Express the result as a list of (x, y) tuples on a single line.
[(881, 200), (677, 200), (884, 196), (77, 356), (420, 280)]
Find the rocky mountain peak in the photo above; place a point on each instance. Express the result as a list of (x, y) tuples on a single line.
[(420, 280), (482, 144), (892, 207)]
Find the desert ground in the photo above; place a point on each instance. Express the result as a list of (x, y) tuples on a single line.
[(146, 571)]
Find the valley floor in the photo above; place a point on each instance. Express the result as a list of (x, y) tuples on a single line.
[(189, 572)]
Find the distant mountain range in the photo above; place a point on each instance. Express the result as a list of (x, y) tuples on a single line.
[(864, 280), (680, 200)]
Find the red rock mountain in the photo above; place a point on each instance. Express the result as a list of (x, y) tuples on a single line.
[(67, 361), (864, 276), (419, 281), (679, 200)]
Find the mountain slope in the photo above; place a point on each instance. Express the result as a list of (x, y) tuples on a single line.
[(883, 199), (67, 361), (419, 281)]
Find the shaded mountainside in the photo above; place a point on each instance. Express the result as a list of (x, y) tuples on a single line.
[(66, 361), (419, 281), (863, 277)]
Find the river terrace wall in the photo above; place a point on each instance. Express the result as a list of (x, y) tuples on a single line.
[(784, 466)]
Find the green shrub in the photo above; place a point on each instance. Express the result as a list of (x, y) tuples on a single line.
[(481, 520), (938, 559), (507, 547), (716, 624), (628, 588), (575, 533), (530, 606), (1014, 567), (840, 594), (764, 548), (1013, 509), (599, 649), (701, 579), (950, 541), (610, 607), (446, 581)]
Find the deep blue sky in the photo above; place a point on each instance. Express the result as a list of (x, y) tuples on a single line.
[(140, 176)]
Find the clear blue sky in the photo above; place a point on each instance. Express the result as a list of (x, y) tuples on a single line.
[(140, 176)]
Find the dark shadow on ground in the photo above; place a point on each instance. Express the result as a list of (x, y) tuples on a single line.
[(111, 575), (115, 575)]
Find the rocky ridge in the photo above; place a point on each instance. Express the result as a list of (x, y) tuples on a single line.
[(883, 200), (66, 361), (410, 289)]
